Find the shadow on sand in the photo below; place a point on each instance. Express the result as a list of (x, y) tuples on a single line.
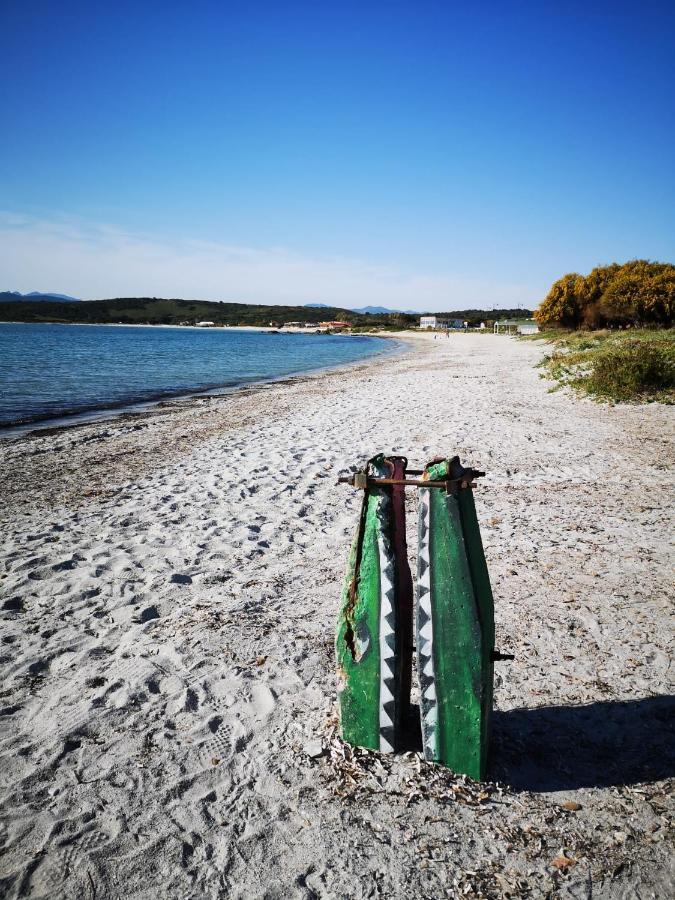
[(558, 748), (561, 748)]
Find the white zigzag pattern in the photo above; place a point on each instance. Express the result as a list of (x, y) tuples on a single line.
[(430, 692), (426, 632), (386, 653)]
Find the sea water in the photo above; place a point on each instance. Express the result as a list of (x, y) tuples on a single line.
[(49, 372)]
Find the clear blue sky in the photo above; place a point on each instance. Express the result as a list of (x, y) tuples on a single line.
[(413, 154)]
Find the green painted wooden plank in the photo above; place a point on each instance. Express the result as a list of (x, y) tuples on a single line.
[(454, 636), (367, 641), (486, 612)]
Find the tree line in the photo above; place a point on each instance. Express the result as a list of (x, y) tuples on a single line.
[(636, 293), (175, 311)]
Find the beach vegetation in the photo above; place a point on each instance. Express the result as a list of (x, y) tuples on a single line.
[(618, 366), (636, 294)]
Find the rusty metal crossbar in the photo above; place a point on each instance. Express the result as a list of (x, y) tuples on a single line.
[(362, 480)]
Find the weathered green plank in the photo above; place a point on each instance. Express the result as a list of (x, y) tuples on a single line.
[(367, 641), (486, 612), (454, 635)]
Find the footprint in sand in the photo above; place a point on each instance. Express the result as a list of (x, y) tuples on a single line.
[(148, 614), (68, 565), (228, 737), (263, 702), (178, 578), (14, 604), (38, 668)]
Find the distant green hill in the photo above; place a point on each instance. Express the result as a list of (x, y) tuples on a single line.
[(160, 311), (34, 296)]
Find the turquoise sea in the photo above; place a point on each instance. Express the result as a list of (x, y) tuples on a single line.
[(49, 372)]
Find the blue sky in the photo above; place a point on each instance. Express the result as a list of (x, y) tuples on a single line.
[(423, 155)]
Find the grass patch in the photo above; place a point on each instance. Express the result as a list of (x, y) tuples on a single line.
[(617, 366)]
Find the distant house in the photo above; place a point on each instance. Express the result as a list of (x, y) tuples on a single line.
[(434, 322), (516, 326), (334, 324)]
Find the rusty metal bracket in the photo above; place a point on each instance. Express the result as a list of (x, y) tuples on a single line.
[(363, 481)]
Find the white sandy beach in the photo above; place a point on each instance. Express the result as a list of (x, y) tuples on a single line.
[(169, 583)]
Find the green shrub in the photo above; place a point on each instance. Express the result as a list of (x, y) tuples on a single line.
[(616, 366), (633, 369)]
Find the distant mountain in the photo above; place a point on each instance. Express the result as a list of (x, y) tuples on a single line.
[(372, 310), (15, 296), (375, 310), (39, 296), (383, 310), (366, 310)]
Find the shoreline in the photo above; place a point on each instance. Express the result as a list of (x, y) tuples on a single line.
[(104, 414), (170, 583), (265, 328), (148, 432)]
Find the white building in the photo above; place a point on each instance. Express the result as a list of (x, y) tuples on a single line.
[(435, 322)]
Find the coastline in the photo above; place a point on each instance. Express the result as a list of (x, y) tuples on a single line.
[(149, 431), (171, 579), (86, 415)]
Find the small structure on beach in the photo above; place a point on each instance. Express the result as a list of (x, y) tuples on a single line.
[(334, 325), (205, 324), (435, 322), (454, 634), (516, 326)]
